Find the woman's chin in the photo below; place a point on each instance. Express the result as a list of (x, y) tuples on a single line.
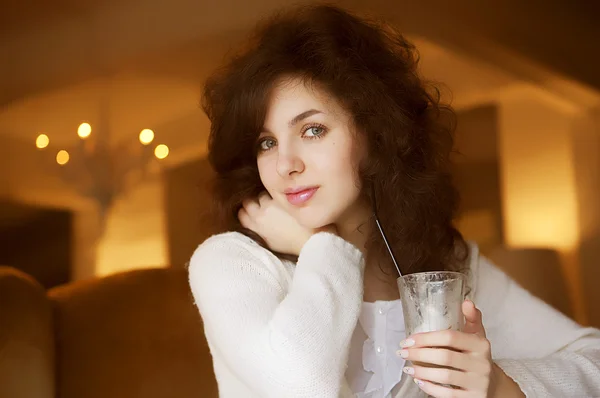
[(312, 222), (315, 216)]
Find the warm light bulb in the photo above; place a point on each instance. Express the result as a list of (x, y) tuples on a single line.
[(161, 151), (42, 141), (62, 157), (84, 130), (146, 136)]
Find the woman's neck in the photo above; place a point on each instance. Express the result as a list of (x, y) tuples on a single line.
[(353, 226), (378, 285)]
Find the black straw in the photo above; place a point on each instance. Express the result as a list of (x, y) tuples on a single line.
[(381, 231)]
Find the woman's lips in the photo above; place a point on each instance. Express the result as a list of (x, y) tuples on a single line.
[(300, 197)]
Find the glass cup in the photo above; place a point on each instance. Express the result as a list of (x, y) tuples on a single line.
[(432, 301)]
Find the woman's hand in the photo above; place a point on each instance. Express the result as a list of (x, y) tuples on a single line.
[(463, 360), (279, 229)]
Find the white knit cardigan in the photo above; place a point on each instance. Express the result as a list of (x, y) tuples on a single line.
[(278, 329)]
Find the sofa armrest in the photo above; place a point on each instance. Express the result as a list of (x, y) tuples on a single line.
[(27, 349)]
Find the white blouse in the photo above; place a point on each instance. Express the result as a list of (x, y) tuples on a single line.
[(374, 369)]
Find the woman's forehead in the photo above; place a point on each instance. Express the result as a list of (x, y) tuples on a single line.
[(292, 96)]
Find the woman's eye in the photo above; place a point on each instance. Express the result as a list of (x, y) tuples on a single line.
[(314, 131), (266, 144)]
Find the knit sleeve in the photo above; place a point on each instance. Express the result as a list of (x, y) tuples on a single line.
[(280, 338), (543, 351)]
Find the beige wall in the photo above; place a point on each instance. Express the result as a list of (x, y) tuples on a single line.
[(539, 188), (187, 206), (586, 148), (135, 235), (476, 173)]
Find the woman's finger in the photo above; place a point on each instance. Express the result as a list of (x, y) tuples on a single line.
[(250, 205), (441, 391), (456, 340), (263, 198), (439, 375), (244, 218), (473, 319), (440, 357)]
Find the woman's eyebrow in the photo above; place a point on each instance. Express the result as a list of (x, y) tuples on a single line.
[(303, 116)]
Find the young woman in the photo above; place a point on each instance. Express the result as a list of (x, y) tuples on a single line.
[(322, 114)]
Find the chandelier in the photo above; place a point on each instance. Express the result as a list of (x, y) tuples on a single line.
[(100, 170)]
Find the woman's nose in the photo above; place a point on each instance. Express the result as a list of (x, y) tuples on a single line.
[(289, 163)]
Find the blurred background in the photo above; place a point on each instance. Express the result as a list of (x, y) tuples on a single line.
[(103, 142)]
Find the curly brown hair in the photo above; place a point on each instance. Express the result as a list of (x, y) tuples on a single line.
[(372, 71)]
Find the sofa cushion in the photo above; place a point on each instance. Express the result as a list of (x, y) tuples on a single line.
[(26, 337), (134, 334)]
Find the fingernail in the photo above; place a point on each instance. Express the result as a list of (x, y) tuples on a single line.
[(407, 343), (402, 353), (419, 382), (408, 370)]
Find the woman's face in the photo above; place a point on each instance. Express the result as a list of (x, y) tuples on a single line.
[(307, 155)]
